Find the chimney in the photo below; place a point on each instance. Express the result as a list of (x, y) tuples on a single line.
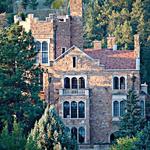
[(97, 44), (137, 45), (111, 41), (144, 88)]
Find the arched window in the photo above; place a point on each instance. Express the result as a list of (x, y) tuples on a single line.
[(122, 83), (122, 108), (44, 52), (81, 135), (74, 133), (74, 83), (81, 109), (142, 107), (115, 108), (81, 83), (67, 83), (37, 48), (115, 83), (66, 109), (73, 109)]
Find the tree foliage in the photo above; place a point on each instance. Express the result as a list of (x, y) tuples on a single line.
[(14, 140), (50, 133), (19, 77)]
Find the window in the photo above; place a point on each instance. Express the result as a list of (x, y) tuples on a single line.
[(73, 109), (74, 133), (78, 134), (44, 52), (67, 83), (37, 48), (122, 83), (81, 135), (119, 108), (74, 62), (115, 83), (63, 49), (74, 83), (142, 108), (81, 109), (119, 83), (66, 109), (81, 83), (116, 109), (122, 108)]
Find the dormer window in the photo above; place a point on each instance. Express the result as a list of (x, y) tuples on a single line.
[(74, 59)]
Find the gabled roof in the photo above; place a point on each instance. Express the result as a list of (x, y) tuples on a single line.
[(71, 48), (114, 59)]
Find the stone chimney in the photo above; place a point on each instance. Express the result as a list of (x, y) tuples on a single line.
[(97, 44), (111, 41), (137, 50), (137, 45), (144, 88)]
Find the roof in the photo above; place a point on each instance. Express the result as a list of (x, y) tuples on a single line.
[(118, 59)]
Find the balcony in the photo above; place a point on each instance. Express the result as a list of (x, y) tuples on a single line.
[(76, 92)]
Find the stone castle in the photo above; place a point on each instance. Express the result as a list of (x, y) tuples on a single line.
[(88, 86)]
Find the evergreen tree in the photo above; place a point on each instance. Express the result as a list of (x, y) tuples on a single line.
[(33, 4), (12, 141), (132, 121), (50, 133), (19, 78)]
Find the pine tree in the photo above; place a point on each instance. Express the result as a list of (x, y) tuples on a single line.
[(132, 122), (19, 78), (50, 133), (12, 141), (33, 4)]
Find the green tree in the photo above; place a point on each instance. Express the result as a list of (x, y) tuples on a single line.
[(14, 140), (19, 78), (132, 121), (33, 4), (125, 143), (50, 133)]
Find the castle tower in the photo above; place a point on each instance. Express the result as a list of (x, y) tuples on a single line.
[(76, 23)]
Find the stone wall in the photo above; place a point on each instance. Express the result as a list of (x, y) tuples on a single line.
[(99, 82)]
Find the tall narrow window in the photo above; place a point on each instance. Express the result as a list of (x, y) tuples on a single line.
[(66, 109), (142, 107), (116, 109), (115, 83), (74, 83), (122, 108), (81, 135), (73, 109), (74, 133), (81, 109), (63, 49), (38, 48), (67, 83), (44, 52), (122, 83), (74, 62), (81, 83)]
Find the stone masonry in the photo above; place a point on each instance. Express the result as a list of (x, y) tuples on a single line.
[(97, 66)]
